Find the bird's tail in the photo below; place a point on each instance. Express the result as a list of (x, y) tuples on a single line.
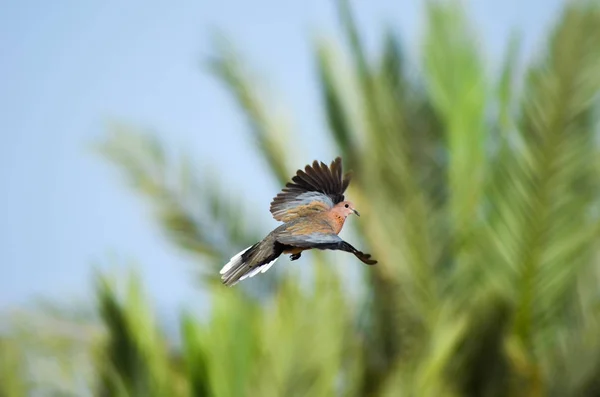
[(247, 263)]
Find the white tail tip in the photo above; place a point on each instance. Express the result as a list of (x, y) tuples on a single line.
[(259, 269), (233, 261)]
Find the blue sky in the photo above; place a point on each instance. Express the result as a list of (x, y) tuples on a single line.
[(69, 67)]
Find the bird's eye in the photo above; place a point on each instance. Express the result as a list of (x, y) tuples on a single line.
[(346, 206)]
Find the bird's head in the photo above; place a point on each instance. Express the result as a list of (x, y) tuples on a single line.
[(346, 208)]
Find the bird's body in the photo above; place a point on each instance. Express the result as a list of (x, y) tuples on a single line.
[(313, 210)]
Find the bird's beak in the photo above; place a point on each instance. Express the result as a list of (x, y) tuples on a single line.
[(356, 212)]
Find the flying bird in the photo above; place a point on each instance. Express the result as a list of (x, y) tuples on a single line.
[(313, 212)]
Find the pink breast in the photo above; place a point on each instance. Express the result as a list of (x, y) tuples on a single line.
[(337, 223)]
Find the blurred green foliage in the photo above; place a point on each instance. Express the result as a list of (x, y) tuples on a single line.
[(481, 202)]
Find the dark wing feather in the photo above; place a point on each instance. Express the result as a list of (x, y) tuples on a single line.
[(316, 188), (322, 241)]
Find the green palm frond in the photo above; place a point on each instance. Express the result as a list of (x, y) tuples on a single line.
[(506, 91), (556, 188), (456, 82), (194, 212), (151, 173), (195, 356), (336, 106), (133, 360), (13, 375), (269, 133)]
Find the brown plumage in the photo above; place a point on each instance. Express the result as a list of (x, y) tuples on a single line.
[(313, 210)]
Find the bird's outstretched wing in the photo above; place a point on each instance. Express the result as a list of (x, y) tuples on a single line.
[(316, 189), (323, 241)]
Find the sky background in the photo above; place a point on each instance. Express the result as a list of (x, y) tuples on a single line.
[(69, 67)]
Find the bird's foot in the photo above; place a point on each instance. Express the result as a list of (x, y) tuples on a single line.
[(294, 257)]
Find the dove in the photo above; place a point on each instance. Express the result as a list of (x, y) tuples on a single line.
[(313, 210)]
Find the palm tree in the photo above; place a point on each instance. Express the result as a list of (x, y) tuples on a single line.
[(482, 201)]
